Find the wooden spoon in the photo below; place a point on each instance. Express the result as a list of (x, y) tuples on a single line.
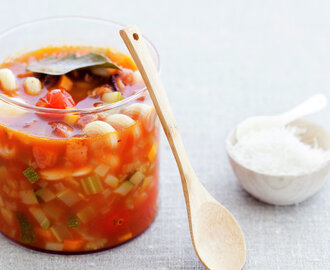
[(217, 238)]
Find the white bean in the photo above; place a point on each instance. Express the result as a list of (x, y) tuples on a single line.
[(97, 128), (138, 78), (8, 80), (32, 86), (112, 97), (138, 109), (119, 121)]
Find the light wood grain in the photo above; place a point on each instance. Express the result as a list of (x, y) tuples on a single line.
[(216, 235)]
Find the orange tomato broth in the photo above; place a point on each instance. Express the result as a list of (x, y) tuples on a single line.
[(103, 214)]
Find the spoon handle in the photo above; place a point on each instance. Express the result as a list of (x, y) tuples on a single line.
[(140, 53), (311, 105)]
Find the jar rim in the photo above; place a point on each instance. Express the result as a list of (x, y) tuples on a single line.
[(102, 108)]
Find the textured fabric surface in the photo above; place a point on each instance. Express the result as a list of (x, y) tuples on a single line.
[(222, 61)]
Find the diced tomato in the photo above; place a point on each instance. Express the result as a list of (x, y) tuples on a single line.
[(76, 152), (44, 156), (56, 99)]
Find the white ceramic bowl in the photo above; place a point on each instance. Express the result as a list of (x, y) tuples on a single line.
[(288, 189)]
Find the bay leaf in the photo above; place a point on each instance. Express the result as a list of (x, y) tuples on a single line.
[(61, 65)]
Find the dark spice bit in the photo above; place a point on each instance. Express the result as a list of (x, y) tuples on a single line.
[(50, 80), (113, 82)]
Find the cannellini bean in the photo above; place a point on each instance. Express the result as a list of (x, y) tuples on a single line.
[(32, 86), (119, 121), (97, 128), (55, 174), (8, 80), (137, 109), (112, 97), (82, 171)]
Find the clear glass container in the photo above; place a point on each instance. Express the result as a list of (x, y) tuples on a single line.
[(89, 193)]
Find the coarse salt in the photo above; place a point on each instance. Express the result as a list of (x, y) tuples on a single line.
[(279, 151)]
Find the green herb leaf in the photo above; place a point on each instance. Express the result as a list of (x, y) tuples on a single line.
[(62, 65), (73, 222), (26, 230), (31, 175)]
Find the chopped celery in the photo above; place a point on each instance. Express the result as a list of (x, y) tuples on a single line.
[(146, 181), (73, 221), (95, 244), (54, 246), (53, 211), (28, 197), (124, 188), (31, 175), (137, 178), (60, 232), (68, 197), (102, 170), (7, 215), (112, 181), (91, 184), (40, 216), (45, 194), (26, 231), (86, 214), (3, 171)]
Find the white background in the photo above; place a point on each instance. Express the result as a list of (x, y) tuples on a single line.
[(222, 61)]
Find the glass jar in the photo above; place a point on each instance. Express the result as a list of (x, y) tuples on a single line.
[(76, 194)]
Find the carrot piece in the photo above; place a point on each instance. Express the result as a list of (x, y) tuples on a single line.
[(65, 83), (73, 245), (45, 235), (26, 74)]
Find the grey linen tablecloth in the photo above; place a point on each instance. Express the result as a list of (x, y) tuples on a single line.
[(222, 61)]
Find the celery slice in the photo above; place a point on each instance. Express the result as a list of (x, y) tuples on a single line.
[(60, 232), (112, 181), (124, 188), (86, 214), (45, 194), (26, 231), (28, 197), (40, 216), (68, 197), (3, 171), (137, 178), (54, 246), (73, 221), (31, 175), (102, 170), (91, 184)]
